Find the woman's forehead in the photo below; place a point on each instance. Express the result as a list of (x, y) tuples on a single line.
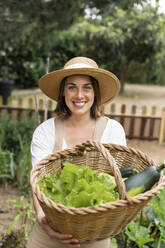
[(78, 79)]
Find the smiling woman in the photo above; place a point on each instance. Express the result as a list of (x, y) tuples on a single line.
[(79, 89), (79, 94), (78, 86)]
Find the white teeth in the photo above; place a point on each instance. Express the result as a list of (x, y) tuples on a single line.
[(79, 103)]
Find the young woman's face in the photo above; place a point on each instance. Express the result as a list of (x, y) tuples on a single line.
[(79, 94)]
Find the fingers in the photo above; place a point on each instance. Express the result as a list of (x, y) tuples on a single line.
[(66, 239), (71, 242)]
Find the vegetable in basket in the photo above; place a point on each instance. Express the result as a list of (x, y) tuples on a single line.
[(79, 186), (127, 171), (144, 180)]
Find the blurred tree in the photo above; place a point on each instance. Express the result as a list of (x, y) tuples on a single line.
[(120, 35), (121, 38), (17, 16)]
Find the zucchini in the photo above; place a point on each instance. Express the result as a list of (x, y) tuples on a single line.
[(127, 171), (143, 181)]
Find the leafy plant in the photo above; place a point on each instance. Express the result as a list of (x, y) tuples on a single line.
[(139, 234), (15, 156), (6, 166), (24, 216), (155, 213), (79, 186), (14, 240), (148, 229)]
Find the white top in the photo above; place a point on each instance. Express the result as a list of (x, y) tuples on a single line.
[(43, 140)]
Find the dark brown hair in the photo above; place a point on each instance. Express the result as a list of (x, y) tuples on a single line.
[(63, 110)]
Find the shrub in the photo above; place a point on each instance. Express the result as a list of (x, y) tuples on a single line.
[(15, 156)]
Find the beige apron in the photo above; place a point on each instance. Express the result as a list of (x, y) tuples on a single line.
[(38, 237)]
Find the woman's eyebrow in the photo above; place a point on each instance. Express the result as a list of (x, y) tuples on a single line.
[(70, 83)]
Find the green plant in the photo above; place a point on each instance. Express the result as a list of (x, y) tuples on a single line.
[(78, 186), (155, 214), (139, 234), (23, 168), (148, 229), (24, 216), (15, 156), (6, 166), (14, 240), (14, 131)]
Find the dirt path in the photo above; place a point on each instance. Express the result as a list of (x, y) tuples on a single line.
[(7, 211), (152, 148)]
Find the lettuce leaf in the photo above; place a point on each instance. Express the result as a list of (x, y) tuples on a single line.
[(79, 186)]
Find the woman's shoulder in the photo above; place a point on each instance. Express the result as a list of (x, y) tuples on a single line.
[(114, 133), (111, 123), (45, 126)]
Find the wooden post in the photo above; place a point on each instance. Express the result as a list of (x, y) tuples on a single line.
[(144, 110), (102, 109), (50, 105), (9, 104), (123, 109), (112, 108), (37, 109), (30, 103), (133, 110), (153, 111), (41, 104), (20, 103), (162, 128), (45, 97)]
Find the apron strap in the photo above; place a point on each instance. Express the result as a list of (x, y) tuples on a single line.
[(59, 130), (100, 125)]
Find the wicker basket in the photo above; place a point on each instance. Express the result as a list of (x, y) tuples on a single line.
[(95, 223)]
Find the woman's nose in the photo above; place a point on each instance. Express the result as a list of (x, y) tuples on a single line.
[(79, 93)]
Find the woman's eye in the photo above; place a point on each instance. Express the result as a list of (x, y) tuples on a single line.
[(71, 87), (87, 87)]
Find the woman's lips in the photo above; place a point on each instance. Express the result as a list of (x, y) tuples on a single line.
[(79, 104)]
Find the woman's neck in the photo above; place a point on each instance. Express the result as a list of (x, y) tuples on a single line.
[(79, 120)]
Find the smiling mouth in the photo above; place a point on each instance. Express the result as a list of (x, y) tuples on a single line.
[(79, 104)]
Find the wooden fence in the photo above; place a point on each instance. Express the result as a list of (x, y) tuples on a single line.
[(136, 126), (40, 102)]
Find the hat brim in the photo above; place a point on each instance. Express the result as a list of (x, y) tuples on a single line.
[(108, 83)]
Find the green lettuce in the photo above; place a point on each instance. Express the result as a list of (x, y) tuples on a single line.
[(79, 186)]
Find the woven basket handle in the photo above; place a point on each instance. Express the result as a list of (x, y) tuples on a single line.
[(115, 170)]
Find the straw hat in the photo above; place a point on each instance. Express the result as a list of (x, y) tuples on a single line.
[(108, 83)]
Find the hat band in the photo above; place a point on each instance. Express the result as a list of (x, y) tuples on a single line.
[(78, 65)]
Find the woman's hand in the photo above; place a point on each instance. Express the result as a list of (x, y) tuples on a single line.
[(65, 239)]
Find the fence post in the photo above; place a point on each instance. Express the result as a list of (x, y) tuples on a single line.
[(30, 103), (153, 111), (112, 108), (102, 109), (20, 103), (162, 128), (144, 110), (45, 97)]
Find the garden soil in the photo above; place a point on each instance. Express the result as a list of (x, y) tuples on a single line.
[(138, 94)]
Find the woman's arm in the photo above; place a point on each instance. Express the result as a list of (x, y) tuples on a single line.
[(66, 239), (41, 146)]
